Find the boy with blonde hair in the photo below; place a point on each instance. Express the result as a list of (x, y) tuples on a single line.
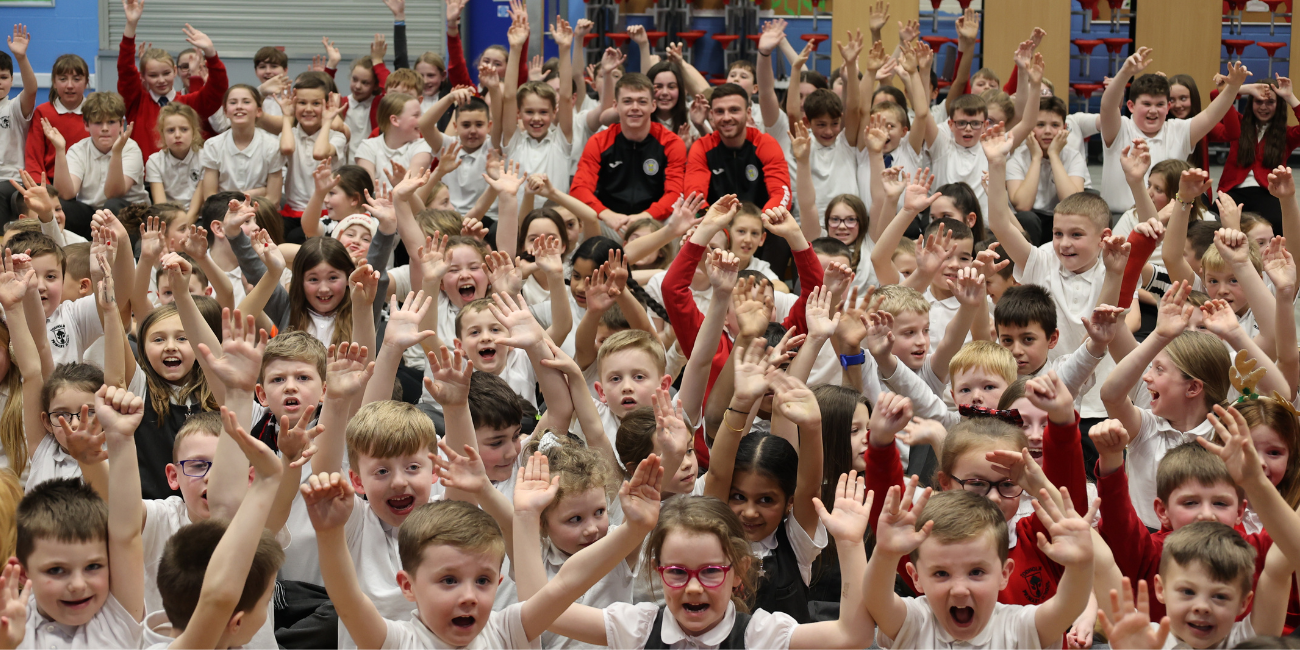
[(104, 170), (631, 367), (961, 534)]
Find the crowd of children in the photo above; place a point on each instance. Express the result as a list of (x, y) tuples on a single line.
[(575, 355)]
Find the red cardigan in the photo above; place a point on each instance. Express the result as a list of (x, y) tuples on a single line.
[(1233, 170), (687, 319), (1035, 575), (38, 153), (381, 78), (143, 111)]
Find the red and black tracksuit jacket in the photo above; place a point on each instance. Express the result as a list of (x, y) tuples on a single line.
[(756, 172), (629, 177)]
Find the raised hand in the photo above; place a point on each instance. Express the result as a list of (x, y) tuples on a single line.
[(779, 222), (1175, 312), (52, 135), (1071, 535), (1114, 254), (451, 373), (751, 369), (684, 210), (14, 282), (364, 282), (1237, 450), (997, 143), (297, 440), (892, 413), (1137, 62), (432, 257), (1193, 183), (877, 133), (722, 268), (752, 306), (332, 53), (535, 488), (199, 41), (800, 141), (1233, 245), (1219, 318), (640, 496), (917, 197), (460, 472), (879, 339), (1136, 160), (123, 138), (14, 594), (821, 315), (21, 39), (549, 252), (773, 34), (403, 329), (793, 399), (896, 532), (118, 411), (1280, 182), (1104, 323), (502, 273), (847, 523), (242, 344), (329, 500), (347, 370), (1133, 629), (1109, 437), (508, 182), (1279, 265), (525, 332), (969, 287)]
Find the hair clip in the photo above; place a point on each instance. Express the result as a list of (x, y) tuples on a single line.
[(548, 441), (1245, 376), (1286, 404), (1010, 416)]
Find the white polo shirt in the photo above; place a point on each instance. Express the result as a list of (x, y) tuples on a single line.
[(1154, 439), (242, 170), (1046, 197), (179, 176), (13, 137), (465, 183), (382, 156), (505, 629), (111, 627), (72, 327), (298, 181), (953, 163), (834, 170), (1010, 626), (549, 156), (903, 156), (1174, 140), (357, 120), (91, 166)]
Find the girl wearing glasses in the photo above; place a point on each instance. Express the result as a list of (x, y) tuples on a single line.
[(703, 557), (70, 387)]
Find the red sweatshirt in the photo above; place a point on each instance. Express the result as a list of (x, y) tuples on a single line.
[(1035, 575), (687, 319), (39, 154), (1236, 170), (143, 111), (1137, 550), (381, 78)]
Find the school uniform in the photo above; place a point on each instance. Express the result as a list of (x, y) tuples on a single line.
[(1010, 626), (903, 156), (834, 170), (298, 181), (465, 184), (111, 627), (953, 163), (379, 154), (1081, 126), (49, 462), (155, 439), (242, 170), (1241, 631), (1155, 438), (90, 164), (180, 177), (1046, 196), (13, 136), (648, 625), (785, 568), (763, 267), (38, 155), (357, 119), (505, 629), (71, 329), (549, 156), (1174, 140)]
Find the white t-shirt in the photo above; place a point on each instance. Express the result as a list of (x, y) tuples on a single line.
[(549, 156), (382, 156), (72, 327), (179, 176), (1174, 140), (834, 170), (941, 313), (953, 163), (91, 166), (1082, 126), (1076, 295), (13, 137), (465, 183), (357, 120), (111, 627), (1046, 198), (505, 629), (1010, 626), (1154, 439), (629, 626), (298, 181), (242, 170)]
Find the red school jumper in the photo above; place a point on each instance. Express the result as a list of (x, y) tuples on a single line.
[(142, 111)]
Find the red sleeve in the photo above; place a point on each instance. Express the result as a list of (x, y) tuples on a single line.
[(1063, 461), (674, 176), (1010, 86), (810, 277), (684, 315), (457, 69), (36, 150), (884, 470), (332, 72), (1231, 125), (585, 178), (1122, 529), (129, 83), (776, 173), (207, 100), (523, 65), (697, 171), (381, 78), (1140, 249)]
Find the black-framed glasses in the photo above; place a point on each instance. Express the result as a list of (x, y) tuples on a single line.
[(1008, 489), (195, 468), (70, 417), (677, 577), (847, 223), (968, 124)]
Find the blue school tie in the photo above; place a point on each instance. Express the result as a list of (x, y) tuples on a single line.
[(889, 160), (163, 101)]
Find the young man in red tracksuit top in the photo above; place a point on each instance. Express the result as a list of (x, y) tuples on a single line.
[(144, 99), (736, 159), (686, 317), (635, 168)]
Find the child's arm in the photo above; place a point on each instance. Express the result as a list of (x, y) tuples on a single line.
[(722, 268), (896, 536), (1281, 269), (1028, 86), (562, 34), (793, 102), (329, 499), (1112, 98), (549, 252), (1202, 122), (1071, 547), (223, 582), (968, 31), (325, 180), (151, 249), (268, 285), (346, 375), (849, 70), (1135, 160), (363, 289), (972, 296), (67, 184), (429, 119), (119, 413), (116, 182), (1171, 321), (527, 335), (16, 277), (322, 149), (1272, 593), (297, 445), (196, 326), (288, 144), (795, 402), (847, 523), (1222, 322), (914, 202), (517, 36), (584, 407), (1234, 248), (196, 246), (1192, 184), (18, 44), (14, 594), (773, 34), (119, 363), (402, 332), (805, 192), (751, 364), (997, 145), (548, 604), (874, 138), (1282, 186)]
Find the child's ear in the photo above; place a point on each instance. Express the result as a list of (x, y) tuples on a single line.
[(260, 393), (945, 481), (207, 291), (1195, 388), (84, 287), (356, 482), (666, 382), (1160, 588), (1106, 232), (1007, 568), (1245, 603), (1053, 339), (173, 476), (406, 583), (236, 621), (971, 218), (1162, 513), (600, 393), (1130, 106), (916, 579)]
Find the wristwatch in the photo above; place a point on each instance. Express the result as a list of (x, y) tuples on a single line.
[(858, 359)]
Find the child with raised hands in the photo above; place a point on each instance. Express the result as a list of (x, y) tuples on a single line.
[(769, 485), (1051, 424), (338, 195), (958, 545), (232, 566), (20, 422), (545, 142), (1187, 375), (307, 139), (916, 198), (71, 544), (244, 158)]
